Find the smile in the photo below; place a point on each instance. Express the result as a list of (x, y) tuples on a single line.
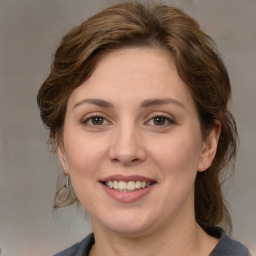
[(127, 189), (129, 186)]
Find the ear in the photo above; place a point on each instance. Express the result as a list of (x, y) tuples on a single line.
[(209, 147), (62, 157)]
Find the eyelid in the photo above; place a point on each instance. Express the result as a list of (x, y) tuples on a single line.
[(87, 117), (167, 117)]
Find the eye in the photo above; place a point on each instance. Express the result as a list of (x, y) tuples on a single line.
[(160, 120), (95, 121)]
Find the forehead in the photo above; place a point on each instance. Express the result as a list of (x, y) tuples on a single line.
[(134, 73)]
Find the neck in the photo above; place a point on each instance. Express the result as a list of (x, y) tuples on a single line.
[(167, 241)]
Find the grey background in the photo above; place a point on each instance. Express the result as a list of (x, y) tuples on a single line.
[(29, 33)]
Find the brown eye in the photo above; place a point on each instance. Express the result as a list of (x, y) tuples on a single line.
[(159, 120), (97, 120)]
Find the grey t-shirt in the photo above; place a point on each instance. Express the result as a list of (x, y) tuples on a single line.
[(225, 247)]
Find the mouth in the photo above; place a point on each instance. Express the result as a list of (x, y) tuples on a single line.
[(127, 183), (129, 186)]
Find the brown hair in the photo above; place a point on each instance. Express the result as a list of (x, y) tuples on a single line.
[(198, 64)]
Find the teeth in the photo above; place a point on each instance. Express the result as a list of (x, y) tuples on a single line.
[(121, 185), (138, 184), (115, 184), (127, 186), (131, 185)]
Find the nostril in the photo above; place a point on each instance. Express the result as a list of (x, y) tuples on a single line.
[(126, 153), (125, 159), (115, 160)]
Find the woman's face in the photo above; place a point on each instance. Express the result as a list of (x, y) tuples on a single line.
[(133, 145)]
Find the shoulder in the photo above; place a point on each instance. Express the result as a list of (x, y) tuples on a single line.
[(80, 249), (226, 246)]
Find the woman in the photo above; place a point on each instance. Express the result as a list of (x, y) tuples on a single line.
[(136, 104)]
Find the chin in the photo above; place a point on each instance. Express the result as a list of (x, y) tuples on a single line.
[(129, 223), (131, 229)]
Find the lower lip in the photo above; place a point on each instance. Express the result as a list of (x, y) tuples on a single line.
[(128, 197)]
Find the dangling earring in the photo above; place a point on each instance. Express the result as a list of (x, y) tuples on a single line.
[(206, 169), (67, 185)]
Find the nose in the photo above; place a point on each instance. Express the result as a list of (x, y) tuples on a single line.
[(127, 146)]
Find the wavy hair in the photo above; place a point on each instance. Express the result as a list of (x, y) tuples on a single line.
[(198, 63)]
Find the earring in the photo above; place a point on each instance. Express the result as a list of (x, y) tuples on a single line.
[(67, 185), (205, 172)]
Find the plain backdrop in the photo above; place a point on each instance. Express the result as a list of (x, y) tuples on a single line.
[(29, 33)]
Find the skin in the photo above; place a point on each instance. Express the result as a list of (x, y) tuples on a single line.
[(126, 138)]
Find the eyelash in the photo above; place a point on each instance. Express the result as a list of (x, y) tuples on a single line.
[(90, 119), (167, 121)]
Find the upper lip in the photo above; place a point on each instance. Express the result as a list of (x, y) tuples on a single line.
[(127, 178)]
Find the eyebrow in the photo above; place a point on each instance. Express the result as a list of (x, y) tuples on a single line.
[(159, 102), (144, 104), (97, 102)]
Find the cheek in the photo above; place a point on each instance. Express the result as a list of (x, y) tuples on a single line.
[(84, 154), (85, 159), (177, 155), (176, 159)]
